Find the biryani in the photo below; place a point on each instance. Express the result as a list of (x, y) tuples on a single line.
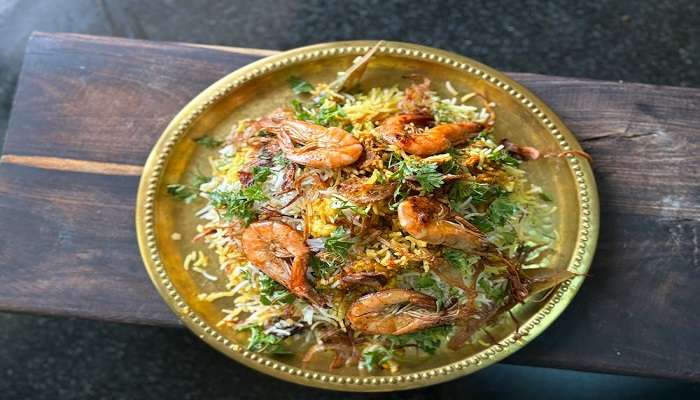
[(365, 226)]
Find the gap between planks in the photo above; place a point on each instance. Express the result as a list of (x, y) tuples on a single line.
[(73, 165)]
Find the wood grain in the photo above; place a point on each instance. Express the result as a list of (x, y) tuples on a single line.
[(68, 245), (68, 164)]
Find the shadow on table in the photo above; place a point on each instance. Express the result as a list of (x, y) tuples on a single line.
[(67, 358)]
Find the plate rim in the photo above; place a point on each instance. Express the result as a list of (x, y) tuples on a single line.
[(582, 256)]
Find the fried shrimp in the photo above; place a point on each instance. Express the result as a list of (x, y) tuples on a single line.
[(266, 244), (396, 312), (358, 191), (405, 130), (321, 147), (424, 219)]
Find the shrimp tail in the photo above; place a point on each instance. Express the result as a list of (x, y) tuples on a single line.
[(300, 286)]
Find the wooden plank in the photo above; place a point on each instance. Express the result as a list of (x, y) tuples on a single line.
[(106, 99), (67, 247), (88, 110)]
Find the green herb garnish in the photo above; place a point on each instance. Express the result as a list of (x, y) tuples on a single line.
[(300, 112), (428, 285), (239, 204), (426, 174), (208, 142), (475, 193), (443, 113), (272, 292), (428, 340), (338, 203), (502, 156), (339, 242), (493, 292), (299, 85), (329, 113), (501, 210), (261, 342), (374, 358), (187, 192), (260, 175), (183, 193), (460, 260), (322, 111), (453, 166), (323, 268)]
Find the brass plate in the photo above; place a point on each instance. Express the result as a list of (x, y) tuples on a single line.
[(260, 87)]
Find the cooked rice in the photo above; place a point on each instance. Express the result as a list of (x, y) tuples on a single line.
[(388, 250)]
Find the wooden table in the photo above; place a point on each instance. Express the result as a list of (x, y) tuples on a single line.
[(88, 109)]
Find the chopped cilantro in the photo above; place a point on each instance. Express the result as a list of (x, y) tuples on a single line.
[(453, 166), (444, 113), (427, 284), (239, 204), (183, 193), (322, 111), (501, 210), (339, 242), (400, 194), (482, 222), (460, 260), (299, 85), (428, 340), (260, 174), (496, 292), (502, 156), (272, 292), (208, 142), (338, 203), (375, 357), (426, 174), (234, 205), (187, 192), (329, 113), (261, 342), (300, 112), (546, 197), (323, 268), (200, 180), (479, 193)]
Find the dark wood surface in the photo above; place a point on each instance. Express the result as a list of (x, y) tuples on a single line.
[(88, 109)]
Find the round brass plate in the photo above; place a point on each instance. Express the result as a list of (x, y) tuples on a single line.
[(261, 87)]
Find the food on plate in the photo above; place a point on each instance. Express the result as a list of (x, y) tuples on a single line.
[(370, 224)]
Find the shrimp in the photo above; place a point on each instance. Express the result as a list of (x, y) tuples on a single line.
[(357, 190), (370, 279), (424, 219), (249, 133), (266, 243), (381, 313), (403, 130), (322, 147)]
